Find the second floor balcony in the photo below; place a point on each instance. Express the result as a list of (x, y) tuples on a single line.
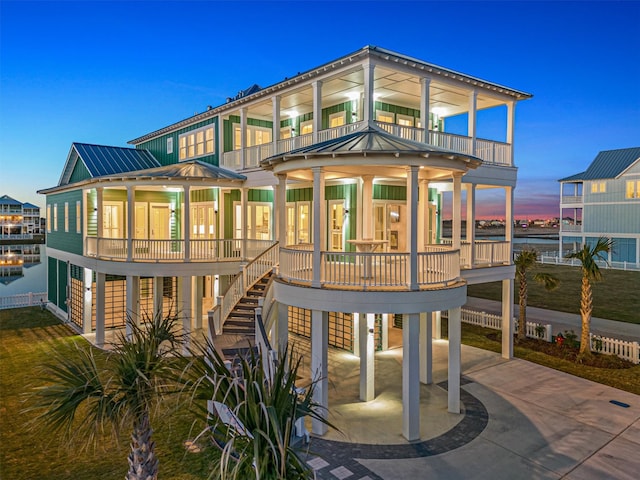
[(491, 152)]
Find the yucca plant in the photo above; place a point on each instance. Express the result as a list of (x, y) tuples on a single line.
[(83, 400), (588, 257), (525, 262), (266, 405)]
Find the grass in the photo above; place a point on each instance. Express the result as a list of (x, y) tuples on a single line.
[(614, 298), (627, 379), (27, 336)]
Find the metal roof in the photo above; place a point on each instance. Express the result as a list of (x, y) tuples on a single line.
[(193, 169), (103, 160), (371, 140), (29, 205), (7, 200), (608, 164)]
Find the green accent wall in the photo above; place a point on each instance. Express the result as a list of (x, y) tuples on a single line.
[(204, 195), (411, 112), (300, 195), (340, 107), (79, 173), (52, 280), (69, 241), (158, 146), (259, 195), (389, 192), (62, 285), (229, 198)]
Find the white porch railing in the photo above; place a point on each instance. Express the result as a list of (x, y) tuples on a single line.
[(403, 131), (232, 160), (23, 300), (293, 143), (450, 141), (336, 132), (16, 236), (486, 252), (490, 151), (253, 155), (570, 228), (365, 270), (571, 199), (147, 250)]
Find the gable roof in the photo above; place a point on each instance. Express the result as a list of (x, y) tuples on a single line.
[(193, 169), (7, 200), (100, 160), (29, 205), (608, 164)]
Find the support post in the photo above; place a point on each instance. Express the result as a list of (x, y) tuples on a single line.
[(410, 377), (455, 360), (319, 371), (86, 300), (471, 222), (131, 212), (368, 113), (132, 303), (411, 225), (317, 109), (319, 222), (186, 216), (426, 348), (456, 223), (507, 318), (101, 280), (367, 363)]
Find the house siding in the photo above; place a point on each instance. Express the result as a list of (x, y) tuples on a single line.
[(611, 218), (59, 239)]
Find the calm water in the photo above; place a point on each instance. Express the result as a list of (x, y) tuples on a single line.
[(31, 276)]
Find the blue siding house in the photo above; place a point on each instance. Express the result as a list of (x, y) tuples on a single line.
[(604, 201)]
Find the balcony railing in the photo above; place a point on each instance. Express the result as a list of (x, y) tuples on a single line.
[(360, 270), (201, 250), (570, 228), (485, 253), (571, 199)]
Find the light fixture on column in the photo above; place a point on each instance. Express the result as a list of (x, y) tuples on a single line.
[(354, 117)]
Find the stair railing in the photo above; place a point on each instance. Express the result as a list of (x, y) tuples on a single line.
[(247, 278)]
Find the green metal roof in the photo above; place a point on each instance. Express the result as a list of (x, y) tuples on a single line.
[(608, 164)]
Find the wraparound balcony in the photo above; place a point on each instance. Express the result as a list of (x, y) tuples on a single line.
[(437, 268), (199, 250), (491, 152)]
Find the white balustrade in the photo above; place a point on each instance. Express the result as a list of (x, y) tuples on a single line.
[(438, 267), (231, 160), (296, 265), (571, 199), (337, 132), (403, 131)]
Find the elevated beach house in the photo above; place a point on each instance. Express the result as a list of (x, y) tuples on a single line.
[(604, 201), (332, 179)]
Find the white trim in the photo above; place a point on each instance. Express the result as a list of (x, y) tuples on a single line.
[(169, 145), (187, 146)]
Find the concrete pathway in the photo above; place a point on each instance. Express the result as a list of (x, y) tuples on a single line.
[(519, 421), (562, 321)]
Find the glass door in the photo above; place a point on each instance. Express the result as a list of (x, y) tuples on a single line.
[(336, 224)]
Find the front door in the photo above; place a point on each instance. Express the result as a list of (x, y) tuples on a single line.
[(160, 216), (336, 224), (141, 221)]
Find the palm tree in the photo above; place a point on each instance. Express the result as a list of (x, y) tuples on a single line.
[(588, 257), (84, 399), (265, 404), (526, 261)]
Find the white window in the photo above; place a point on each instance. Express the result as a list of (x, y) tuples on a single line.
[(78, 218), (285, 132), (306, 127), (633, 189), (66, 216), (195, 143), (598, 187), (255, 136), (383, 116), (169, 145), (404, 120), (49, 218), (337, 119), (55, 217)]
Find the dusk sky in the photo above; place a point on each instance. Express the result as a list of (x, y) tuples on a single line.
[(108, 72)]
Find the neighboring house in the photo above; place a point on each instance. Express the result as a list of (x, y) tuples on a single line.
[(604, 201), (334, 176), (17, 219)]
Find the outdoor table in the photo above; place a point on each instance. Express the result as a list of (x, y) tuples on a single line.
[(367, 246)]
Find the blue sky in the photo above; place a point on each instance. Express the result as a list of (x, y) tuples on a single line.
[(108, 72)]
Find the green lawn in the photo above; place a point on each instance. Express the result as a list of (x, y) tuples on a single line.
[(616, 297), (26, 337)]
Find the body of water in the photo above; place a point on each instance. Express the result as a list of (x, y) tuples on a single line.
[(23, 269)]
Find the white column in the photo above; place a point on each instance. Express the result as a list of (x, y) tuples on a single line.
[(425, 84), (281, 209), (86, 300), (367, 206), (186, 302), (471, 221), (132, 303), (158, 285), (508, 219), (507, 318), (356, 333), (319, 223), (186, 215), (282, 329), (456, 223), (275, 113), (511, 120), (455, 335), (100, 212), (220, 140), (473, 104), (426, 348), (411, 224), (368, 113), (367, 363), (360, 197), (197, 301), (317, 109), (385, 331), (423, 214), (243, 135), (410, 377), (101, 279), (437, 325), (319, 371), (131, 212), (244, 193)]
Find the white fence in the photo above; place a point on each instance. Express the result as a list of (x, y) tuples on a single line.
[(572, 262), (23, 300), (611, 346), (490, 320)]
